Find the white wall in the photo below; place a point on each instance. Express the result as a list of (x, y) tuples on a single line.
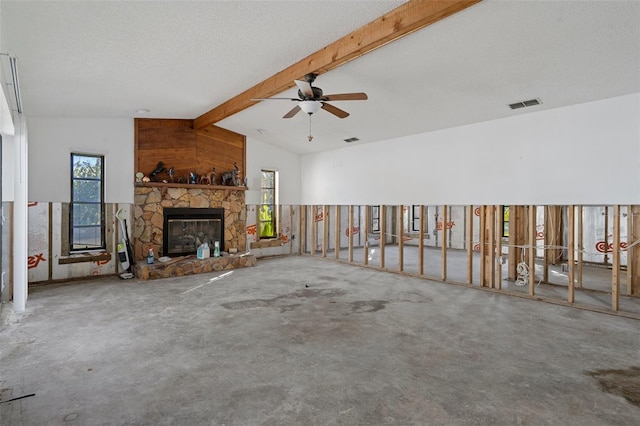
[(51, 141), (262, 156), (582, 154)]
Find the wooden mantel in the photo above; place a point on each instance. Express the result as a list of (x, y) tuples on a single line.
[(191, 186)]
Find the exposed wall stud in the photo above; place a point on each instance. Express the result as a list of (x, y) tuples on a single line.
[(400, 240), (498, 233), (445, 240), (615, 261), (367, 226), (383, 233), (421, 241), (314, 230), (325, 230), (571, 231), (469, 214), (532, 249), (351, 234), (337, 233), (483, 246), (580, 248)]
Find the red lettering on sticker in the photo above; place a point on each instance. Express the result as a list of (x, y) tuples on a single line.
[(355, 230), (604, 247), (34, 261)]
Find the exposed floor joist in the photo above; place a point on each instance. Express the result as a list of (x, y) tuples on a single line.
[(403, 20)]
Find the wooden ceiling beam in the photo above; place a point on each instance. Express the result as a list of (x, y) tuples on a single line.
[(403, 20)]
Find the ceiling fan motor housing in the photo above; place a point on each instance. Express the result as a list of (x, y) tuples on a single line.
[(317, 94)]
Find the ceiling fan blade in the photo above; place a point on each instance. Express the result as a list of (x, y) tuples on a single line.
[(346, 97), (293, 112), (305, 88), (278, 99), (335, 111)]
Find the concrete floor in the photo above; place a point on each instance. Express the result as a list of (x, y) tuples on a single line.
[(305, 341)]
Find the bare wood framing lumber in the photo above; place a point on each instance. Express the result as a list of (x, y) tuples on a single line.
[(400, 235), (532, 249), (325, 230), (445, 235), (490, 253), (469, 244), (483, 246), (314, 230), (498, 221), (630, 266), (291, 230), (350, 233), (546, 251), (580, 248), (383, 233), (633, 257), (336, 237), (367, 219), (421, 242), (302, 229), (571, 237), (615, 260), (401, 21), (50, 243)]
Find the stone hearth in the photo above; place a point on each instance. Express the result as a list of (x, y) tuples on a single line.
[(191, 265), (150, 202)]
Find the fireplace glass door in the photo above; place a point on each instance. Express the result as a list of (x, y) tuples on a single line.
[(186, 235)]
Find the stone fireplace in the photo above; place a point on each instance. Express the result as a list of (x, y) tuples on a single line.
[(193, 204)]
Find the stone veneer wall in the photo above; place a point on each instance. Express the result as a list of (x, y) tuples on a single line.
[(148, 214)]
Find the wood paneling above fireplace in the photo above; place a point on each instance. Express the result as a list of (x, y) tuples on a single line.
[(177, 144)]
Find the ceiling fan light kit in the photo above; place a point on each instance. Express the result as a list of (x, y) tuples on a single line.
[(310, 107)]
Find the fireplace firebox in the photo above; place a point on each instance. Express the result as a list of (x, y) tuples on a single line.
[(185, 229)]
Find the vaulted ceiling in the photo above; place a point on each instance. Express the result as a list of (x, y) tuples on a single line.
[(181, 59)]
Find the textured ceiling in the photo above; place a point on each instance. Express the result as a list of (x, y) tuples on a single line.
[(180, 59)]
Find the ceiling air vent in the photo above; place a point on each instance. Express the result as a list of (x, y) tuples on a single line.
[(351, 140), (523, 104)]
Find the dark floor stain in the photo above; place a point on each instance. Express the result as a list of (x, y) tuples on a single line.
[(278, 302), (624, 383), (367, 305)]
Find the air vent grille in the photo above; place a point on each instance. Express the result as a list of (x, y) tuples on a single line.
[(523, 104)]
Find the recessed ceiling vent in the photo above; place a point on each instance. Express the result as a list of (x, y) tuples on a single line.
[(523, 104), (351, 140)]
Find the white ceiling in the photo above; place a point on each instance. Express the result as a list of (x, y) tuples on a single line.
[(180, 59)]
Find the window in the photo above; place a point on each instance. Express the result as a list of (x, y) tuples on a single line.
[(375, 218), (505, 221), (86, 211), (415, 218), (267, 214)]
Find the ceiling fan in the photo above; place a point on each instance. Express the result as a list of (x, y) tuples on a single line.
[(311, 99)]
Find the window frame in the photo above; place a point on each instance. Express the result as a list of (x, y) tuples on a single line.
[(375, 218), (506, 217), (102, 225), (274, 206), (415, 217)]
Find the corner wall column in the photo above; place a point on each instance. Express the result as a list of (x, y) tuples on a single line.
[(20, 218)]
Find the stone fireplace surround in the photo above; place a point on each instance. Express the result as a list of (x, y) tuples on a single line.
[(151, 199)]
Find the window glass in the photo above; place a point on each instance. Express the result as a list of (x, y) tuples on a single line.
[(267, 211), (86, 212)]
